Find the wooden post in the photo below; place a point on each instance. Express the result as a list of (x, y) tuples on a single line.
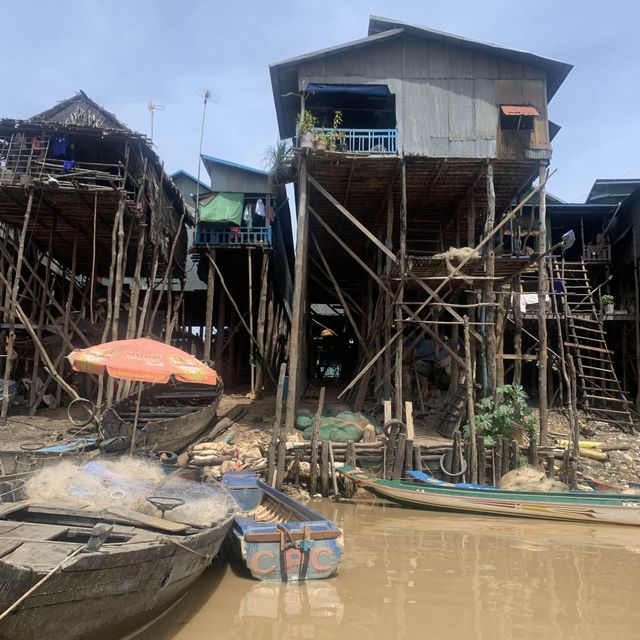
[(506, 453), (400, 296), (408, 454), (277, 422), (261, 328), (398, 462), (252, 361), (388, 316), (533, 451), (517, 334), (497, 461), (67, 313), (135, 283), (334, 479), (208, 310), (299, 304), (489, 294), (313, 478), (550, 465), (542, 315), (388, 466), (468, 379), (471, 221), (280, 464), (12, 308), (220, 331), (324, 469), (515, 454), (350, 460), (148, 293)]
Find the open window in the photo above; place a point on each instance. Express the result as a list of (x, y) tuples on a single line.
[(517, 117)]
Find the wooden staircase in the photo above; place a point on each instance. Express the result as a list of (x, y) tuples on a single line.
[(601, 394)]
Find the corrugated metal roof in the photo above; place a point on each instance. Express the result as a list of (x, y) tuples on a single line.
[(518, 110)]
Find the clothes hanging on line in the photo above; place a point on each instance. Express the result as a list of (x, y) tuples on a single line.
[(60, 146), (260, 210), (67, 165)]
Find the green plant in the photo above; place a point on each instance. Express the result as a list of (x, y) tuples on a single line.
[(306, 121), (607, 300), (502, 419), (277, 159), (337, 119)]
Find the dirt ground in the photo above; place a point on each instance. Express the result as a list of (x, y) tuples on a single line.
[(256, 426)]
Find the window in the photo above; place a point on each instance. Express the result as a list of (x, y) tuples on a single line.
[(517, 117)]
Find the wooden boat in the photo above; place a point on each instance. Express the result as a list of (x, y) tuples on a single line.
[(109, 572), (276, 537), (171, 415), (572, 506)]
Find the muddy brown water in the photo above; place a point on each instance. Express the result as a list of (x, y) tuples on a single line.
[(417, 574)]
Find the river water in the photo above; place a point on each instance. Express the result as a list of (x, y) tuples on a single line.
[(416, 574)]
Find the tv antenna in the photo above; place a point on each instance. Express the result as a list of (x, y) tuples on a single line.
[(206, 95), (152, 107)]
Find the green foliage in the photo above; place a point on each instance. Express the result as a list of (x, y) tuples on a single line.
[(306, 121), (606, 300), (277, 160), (502, 419)]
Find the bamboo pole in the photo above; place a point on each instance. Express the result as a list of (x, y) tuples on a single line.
[(67, 311), (252, 364), (542, 302), (135, 284), (241, 318), (299, 298), (261, 331), (402, 266), (416, 313), (470, 402), (13, 306), (208, 312), (148, 293)]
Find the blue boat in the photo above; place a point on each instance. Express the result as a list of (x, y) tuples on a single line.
[(276, 537)]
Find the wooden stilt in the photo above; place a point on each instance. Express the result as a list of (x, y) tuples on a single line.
[(313, 478), (402, 266), (517, 334), (468, 376), (208, 312), (135, 284), (220, 332), (14, 287), (261, 328), (542, 314), (142, 326), (296, 370), (252, 362)]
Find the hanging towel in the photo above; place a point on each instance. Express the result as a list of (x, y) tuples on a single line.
[(67, 165), (260, 208)]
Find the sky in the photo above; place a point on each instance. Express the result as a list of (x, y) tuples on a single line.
[(124, 54)]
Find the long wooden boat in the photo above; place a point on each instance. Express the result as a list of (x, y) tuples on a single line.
[(276, 537), (171, 415), (572, 506), (103, 573)]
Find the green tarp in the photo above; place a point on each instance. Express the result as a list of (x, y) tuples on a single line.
[(223, 207)]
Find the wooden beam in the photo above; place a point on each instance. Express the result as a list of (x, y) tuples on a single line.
[(352, 218), (416, 313), (542, 302)]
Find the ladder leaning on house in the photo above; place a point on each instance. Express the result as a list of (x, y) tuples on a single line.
[(601, 393)]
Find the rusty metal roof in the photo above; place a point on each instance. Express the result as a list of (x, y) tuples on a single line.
[(519, 110)]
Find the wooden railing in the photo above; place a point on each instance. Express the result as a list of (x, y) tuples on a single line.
[(208, 237)]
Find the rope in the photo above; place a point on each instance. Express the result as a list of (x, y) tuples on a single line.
[(38, 584), (207, 556)]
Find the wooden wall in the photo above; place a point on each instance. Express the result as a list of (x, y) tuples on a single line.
[(447, 97)]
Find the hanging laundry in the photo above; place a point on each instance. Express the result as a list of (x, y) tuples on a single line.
[(67, 165), (36, 145), (246, 215), (60, 146), (272, 214), (260, 208)]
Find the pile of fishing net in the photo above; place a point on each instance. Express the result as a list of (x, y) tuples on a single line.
[(219, 457), (531, 479), (126, 483), (342, 427)]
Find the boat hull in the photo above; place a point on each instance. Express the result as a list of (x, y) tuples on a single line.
[(303, 545), (105, 596), (173, 433), (570, 507)]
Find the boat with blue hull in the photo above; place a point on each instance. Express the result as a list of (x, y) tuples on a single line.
[(276, 537)]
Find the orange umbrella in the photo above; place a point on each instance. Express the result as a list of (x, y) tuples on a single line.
[(142, 360)]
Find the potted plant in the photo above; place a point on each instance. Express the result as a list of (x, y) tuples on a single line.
[(340, 137), (306, 123), (607, 303), (323, 140)]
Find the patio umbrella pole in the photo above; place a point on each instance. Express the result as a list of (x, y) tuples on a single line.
[(135, 420)]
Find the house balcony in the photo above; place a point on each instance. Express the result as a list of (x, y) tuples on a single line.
[(232, 236), (597, 253), (365, 141)]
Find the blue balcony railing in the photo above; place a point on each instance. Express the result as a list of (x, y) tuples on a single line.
[(208, 237), (372, 141)]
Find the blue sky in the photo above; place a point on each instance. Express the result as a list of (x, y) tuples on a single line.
[(125, 54)]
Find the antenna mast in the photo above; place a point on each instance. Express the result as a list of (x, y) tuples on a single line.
[(205, 94), (152, 108)]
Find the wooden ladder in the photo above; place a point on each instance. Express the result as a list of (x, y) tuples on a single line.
[(601, 393)]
